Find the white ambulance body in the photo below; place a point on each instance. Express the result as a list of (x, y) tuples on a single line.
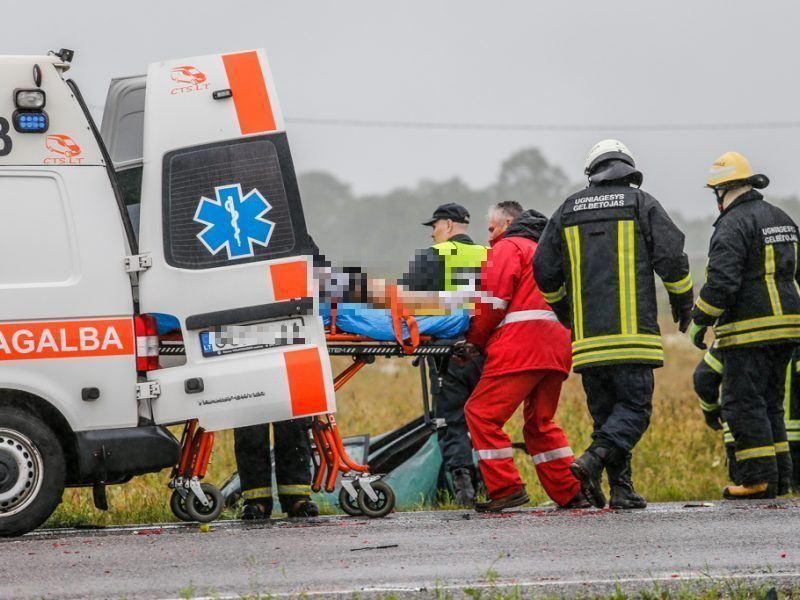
[(222, 254)]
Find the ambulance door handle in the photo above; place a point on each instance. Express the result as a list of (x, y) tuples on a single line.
[(90, 394), (193, 385)]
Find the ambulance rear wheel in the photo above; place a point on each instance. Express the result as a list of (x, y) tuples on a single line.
[(348, 505), (32, 471), (205, 514), (381, 507), (177, 505)]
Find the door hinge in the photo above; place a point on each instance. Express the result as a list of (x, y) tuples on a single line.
[(138, 262), (148, 390)]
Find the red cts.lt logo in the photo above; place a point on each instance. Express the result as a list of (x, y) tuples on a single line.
[(188, 78), (63, 150)]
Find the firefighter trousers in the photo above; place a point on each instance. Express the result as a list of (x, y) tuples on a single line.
[(292, 462), (450, 391), (620, 400), (753, 380), (488, 409)]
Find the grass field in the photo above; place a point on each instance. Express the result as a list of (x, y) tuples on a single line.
[(678, 459)]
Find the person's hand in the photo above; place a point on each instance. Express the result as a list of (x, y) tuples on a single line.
[(463, 351), (714, 419), (696, 334), (682, 315)]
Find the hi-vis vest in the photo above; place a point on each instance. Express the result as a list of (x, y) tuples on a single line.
[(462, 265)]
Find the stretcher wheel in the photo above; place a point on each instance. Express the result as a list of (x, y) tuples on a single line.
[(380, 508), (205, 514), (178, 506), (348, 505)]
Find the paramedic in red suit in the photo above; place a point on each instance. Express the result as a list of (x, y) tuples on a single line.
[(528, 356)]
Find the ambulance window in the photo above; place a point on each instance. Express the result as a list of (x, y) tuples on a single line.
[(33, 208), (130, 184), (230, 203)]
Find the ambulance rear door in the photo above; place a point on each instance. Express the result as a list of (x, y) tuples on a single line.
[(222, 223)]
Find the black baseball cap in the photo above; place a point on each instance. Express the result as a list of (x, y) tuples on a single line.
[(451, 210)]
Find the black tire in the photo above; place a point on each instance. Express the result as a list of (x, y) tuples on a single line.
[(178, 506), (348, 505), (384, 505), (32, 471), (205, 514)]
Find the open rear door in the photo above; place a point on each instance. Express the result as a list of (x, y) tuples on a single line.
[(222, 222)]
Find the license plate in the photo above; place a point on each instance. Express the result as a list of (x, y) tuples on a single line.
[(230, 339)]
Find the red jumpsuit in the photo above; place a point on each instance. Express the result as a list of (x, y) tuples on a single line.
[(528, 356)]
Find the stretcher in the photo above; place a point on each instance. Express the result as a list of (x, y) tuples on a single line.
[(361, 491)]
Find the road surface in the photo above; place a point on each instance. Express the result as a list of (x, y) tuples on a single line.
[(539, 551)]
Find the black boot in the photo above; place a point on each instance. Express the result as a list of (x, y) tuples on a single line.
[(256, 511), (464, 488), (588, 469), (300, 507), (619, 478)]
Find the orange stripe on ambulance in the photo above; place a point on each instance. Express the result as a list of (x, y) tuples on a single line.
[(66, 339)]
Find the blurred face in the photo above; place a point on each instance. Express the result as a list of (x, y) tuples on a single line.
[(498, 223), (441, 230)]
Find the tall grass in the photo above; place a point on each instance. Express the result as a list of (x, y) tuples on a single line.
[(678, 459)]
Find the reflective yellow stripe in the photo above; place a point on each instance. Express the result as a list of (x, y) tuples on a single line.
[(710, 310), (755, 324), (787, 394), (792, 423), (794, 278), (781, 447), (553, 297), (728, 438), (713, 362), (759, 336), (626, 258), (679, 287), (611, 341), (750, 453), (294, 490), (769, 277), (572, 235), (708, 406), (257, 493), (624, 354), (793, 436)]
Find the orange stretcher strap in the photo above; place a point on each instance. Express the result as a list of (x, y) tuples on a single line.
[(401, 316)]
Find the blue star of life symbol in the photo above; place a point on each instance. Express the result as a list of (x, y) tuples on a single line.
[(234, 222)]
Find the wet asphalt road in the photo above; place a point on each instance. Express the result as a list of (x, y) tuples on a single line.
[(541, 551)]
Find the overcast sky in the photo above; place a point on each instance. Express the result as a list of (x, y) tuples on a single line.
[(623, 63)]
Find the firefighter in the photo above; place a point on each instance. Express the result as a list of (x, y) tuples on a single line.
[(595, 266), (451, 264), (751, 297), (707, 380), (527, 359)]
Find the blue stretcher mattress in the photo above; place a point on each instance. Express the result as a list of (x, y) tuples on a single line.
[(376, 323)]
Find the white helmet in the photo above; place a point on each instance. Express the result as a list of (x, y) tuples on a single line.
[(605, 150)]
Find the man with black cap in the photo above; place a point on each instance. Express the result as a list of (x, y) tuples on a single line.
[(751, 298), (452, 264), (595, 266)]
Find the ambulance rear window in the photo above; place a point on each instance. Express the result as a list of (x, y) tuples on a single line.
[(231, 202)]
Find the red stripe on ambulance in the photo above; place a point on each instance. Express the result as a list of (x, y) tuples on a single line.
[(249, 90), (66, 339)]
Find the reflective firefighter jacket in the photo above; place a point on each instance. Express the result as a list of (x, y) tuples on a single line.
[(751, 290), (708, 377), (595, 266)]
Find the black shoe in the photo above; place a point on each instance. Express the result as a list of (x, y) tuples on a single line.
[(784, 486), (588, 469), (256, 511), (509, 501), (464, 488), (578, 501), (623, 496), (303, 508)]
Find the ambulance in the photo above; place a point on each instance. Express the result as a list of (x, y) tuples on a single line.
[(185, 211)]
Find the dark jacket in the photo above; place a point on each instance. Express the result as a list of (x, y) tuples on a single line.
[(751, 287), (595, 264)]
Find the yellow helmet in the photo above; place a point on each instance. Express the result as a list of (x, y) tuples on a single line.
[(732, 169)]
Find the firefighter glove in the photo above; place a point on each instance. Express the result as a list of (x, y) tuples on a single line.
[(682, 313), (696, 334), (714, 418)]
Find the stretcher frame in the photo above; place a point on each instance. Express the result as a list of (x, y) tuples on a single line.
[(362, 492)]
